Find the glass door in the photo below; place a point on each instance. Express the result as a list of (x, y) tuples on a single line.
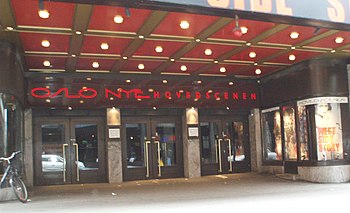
[(69, 151), (152, 148), (223, 146)]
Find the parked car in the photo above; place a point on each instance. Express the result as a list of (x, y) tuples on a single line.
[(55, 163)]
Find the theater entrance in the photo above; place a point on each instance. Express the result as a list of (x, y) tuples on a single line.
[(152, 147), (224, 145), (69, 151)]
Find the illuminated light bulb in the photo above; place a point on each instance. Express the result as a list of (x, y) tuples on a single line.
[(88, 79), (9, 28), (159, 49), (248, 44), (141, 66), (104, 46), (294, 35), (339, 40), (183, 68), (228, 108), (44, 14), (222, 69), (124, 57), (230, 83), (332, 51), (292, 57), (199, 82), (252, 54), (184, 25), (154, 108), (150, 90), (216, 62), (45, 43), (95, 65), (258, 71), (128, 81), (48, 100), (81, 101), (165, 81), (244, 30), (208, 52), (118, 19), (78, 32), (46, 63)]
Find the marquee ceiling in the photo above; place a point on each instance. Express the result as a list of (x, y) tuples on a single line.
[(150, 46)]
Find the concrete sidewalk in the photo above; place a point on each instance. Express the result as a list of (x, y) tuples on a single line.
[(248, 191)]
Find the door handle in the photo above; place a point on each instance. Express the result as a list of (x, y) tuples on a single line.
[(147, 162), (230, 153), (159, 166), (220, 163), (77, 160), (64, 161)]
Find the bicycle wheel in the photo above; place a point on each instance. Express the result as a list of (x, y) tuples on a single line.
[(19, 188)]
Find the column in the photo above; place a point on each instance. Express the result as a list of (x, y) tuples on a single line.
[(114, 148), (192, 162), (28, 148), (255, 141)]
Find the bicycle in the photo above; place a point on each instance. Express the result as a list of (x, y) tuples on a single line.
[(11, 176)]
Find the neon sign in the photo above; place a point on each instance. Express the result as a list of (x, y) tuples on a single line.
[(90, 93)]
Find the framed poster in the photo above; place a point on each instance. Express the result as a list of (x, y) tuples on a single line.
[(193, 132), (114, 133)]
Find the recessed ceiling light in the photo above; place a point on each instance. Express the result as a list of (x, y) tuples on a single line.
[(48, 100), (196, 99), (291, 57), (181, 91), (141, 36), (111, 98), (244, 30), (294, 35), (139, 99), (339, 40), (332, 51), (78, 32), (141, 66), (218, 98), (197, 40), (154, 108), (255, 64), (44, 14), (118, 19), (9, 28), (230, 83), (183, 68), (208, 52), (128, 81), (124, 57), (165, 81), (258, 71), (252, 54), (159, 49), (199, 82), (293, 48), (47, 87), (216, 62), (88, 79), (95, 65), (210, 91), (84, 87), (70, 108), (222, 69), (184, 25), (46, 63), (81, 101), (150, 90), (248, 44), (228, 108), (104, 46), (74, 55), (45, 43), (172, 59)]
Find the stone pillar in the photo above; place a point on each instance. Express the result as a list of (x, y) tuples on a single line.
[(255, 141), (28, 148), (191, 148), (114, 148)]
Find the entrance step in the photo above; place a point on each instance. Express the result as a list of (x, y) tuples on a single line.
[(287, 176), (7, 194)]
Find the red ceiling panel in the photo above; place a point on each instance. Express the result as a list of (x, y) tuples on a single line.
[(283, 37), (190, 67), (36, 62), (217, 50), (260, 53), (32, 42), (299, 56), (149, 66), (171, 24), (86, 64), (92, 44), (231, 69), (26, 13), (169, 48), (254, 28), (103, 19), (329, 42)]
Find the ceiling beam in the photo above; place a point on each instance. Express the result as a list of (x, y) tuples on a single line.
[(81, 21), (147, 28)]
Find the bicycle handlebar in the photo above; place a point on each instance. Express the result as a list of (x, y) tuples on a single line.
[(12, 156)]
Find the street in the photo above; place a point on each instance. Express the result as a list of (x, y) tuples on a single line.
[(221, 193)]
